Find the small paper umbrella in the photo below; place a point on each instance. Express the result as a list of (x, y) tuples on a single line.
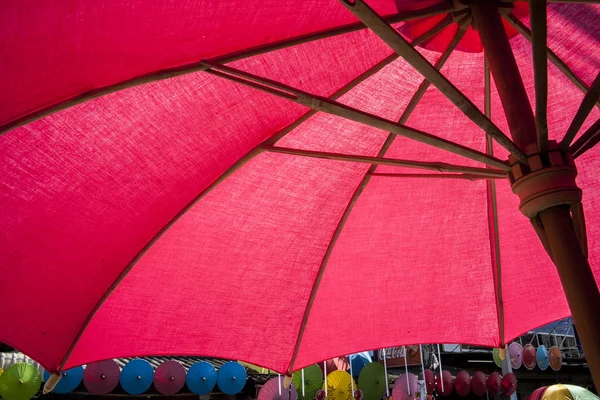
[(231, 378), (448, 383), (169, 377), (339, 385), (496, 357), (201, 378), (336, 364), (429, 381), (136, 376), (541, 356), (515, 352), (555, 358), (273, 389), (478, 383), (313, 381), (358, 362), (69, 380), (372, 381), (493, 384), (20, 382), (529, 358), (462, 383), (509, 384), (406, 389), (101, 377)]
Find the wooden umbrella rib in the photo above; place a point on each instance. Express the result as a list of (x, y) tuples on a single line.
[(587, 140), (389, 35), (341, 110), (554, 59), (441, 8), (469, 177), (433, 166), (493, 212), (540, 68), (359, 189), (590, 98)]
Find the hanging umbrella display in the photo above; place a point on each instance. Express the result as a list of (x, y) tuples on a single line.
[(101, 377), (555, 358), (493, 383), (274, 389), (462, 383), (404, 388), (372, 380), (429, 381), (169, 377), (201, 378), (541, 357), (231, 378), (515, 351), (308, 381), (136, 376), (69, 380), (529, 356), (562, 392), (478, 383), (20, 381), (232, 147), (339, 386), (509, 384)]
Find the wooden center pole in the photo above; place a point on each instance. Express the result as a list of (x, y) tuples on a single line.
[(573, 267)]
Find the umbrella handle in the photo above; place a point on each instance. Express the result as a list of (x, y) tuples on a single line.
[(51, 383)]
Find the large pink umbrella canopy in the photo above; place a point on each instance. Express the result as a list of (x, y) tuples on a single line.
[(150, 221)]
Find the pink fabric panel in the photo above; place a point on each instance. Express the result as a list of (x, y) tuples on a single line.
[(52, 52), (84, 190), (409, 268), (229, 279)]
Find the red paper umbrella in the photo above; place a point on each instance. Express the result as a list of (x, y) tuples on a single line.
[(406, 389), (448, 383), (529, 356), (493, 383), (478, 383), (462, 383), (509, 384), (429, 381), (169, 377), (101, 377)]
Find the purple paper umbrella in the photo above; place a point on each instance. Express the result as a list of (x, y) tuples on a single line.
[(169, 377), (101, 377)]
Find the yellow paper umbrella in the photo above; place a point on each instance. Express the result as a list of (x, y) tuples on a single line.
[(339, 386)]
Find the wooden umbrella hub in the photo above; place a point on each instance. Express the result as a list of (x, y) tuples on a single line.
[(548, 180)]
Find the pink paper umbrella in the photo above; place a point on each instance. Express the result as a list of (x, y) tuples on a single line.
[(169, 377), (273, 389), (101, 377), (515, 351), (406, 390), (478, 383)]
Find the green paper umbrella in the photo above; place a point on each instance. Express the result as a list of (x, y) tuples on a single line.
[(20, 382), (499, 355), (372, 381), (313, 380)]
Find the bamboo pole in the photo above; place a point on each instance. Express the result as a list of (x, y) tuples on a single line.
[(389, 35), (556, 224), (587, 140), (537, 11), (432, 166), (590, 98)]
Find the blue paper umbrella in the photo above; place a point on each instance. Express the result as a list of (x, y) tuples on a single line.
[(201, 378), (136, 376), (231, 378), (69, 380), (542, 357), (358, 362)]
